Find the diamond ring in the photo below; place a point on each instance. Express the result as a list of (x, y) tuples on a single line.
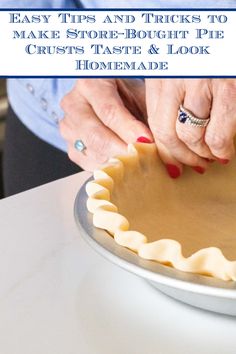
[(186, 117)]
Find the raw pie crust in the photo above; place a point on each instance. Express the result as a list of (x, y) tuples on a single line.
[(188, 223)]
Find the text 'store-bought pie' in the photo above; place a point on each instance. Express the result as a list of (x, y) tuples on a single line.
[(188, 223)]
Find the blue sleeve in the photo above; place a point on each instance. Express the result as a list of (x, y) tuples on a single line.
[(51, 90), (54, 91), (44, 94), (69, 4), (37, 104)]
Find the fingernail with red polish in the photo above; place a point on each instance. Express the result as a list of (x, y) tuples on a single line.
[(143, 139), (199, 169), (173, 171), (223, 161)]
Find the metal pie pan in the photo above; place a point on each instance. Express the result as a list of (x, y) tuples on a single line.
[(200, 291)]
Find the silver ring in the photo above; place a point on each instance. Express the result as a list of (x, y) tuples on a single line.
[(186, 117), (79, 145)]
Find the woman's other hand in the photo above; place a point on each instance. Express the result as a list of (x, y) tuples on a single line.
[(183, 144)]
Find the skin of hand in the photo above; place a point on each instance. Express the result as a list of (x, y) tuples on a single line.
[(182, 144), (106, 114)]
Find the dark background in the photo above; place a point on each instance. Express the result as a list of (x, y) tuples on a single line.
[(3, 110)]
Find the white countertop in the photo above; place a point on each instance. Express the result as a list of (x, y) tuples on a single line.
[(57, 296)]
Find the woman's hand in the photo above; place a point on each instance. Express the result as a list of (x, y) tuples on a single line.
[(180, 143), (104, 114)]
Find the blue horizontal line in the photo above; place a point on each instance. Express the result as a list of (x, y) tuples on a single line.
[(119, 9), (117, 77)]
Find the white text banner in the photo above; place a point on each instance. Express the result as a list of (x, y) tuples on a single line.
[(141, 43)]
